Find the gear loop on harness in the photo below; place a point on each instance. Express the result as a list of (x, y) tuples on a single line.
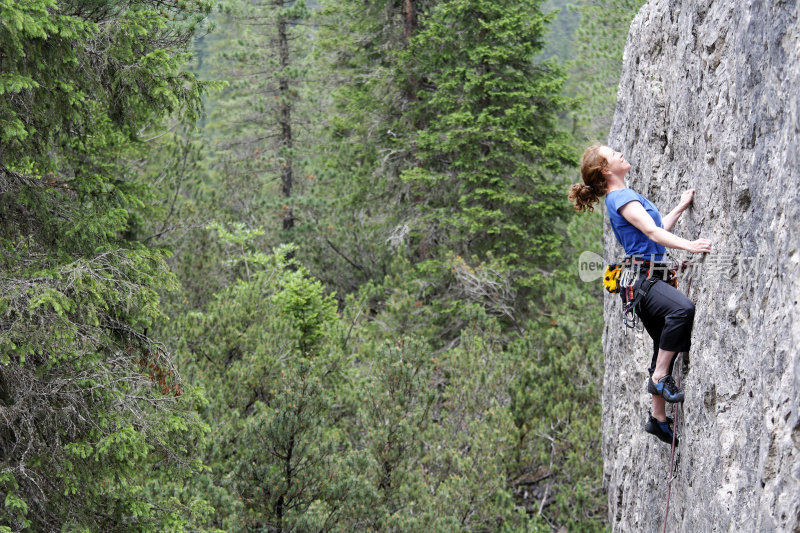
[(635, 280)]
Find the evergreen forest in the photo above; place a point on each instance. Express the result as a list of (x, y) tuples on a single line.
[(289, 266)]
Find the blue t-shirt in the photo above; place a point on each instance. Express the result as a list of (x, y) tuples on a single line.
[(634, 241)]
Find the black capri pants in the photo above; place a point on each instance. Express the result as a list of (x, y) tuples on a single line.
[(668, 316)]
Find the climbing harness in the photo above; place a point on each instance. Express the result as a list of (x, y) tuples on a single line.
[(685, 265), (613, 276), (634, 277)]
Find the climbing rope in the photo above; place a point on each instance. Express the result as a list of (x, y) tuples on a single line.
[(672, 454), (684, 265)]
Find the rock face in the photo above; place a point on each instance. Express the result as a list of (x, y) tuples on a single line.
[(710, 99)]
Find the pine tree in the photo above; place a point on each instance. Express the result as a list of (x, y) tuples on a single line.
[(357, 205), (560, 35), (594, 75), (255, 122), (487, 142), (94, 410), (267, 349)]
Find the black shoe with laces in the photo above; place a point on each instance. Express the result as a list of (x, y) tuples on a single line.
[(662, 430), (665, 388)]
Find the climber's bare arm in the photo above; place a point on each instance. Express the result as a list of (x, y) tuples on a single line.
[(635, 213), (673, 216)]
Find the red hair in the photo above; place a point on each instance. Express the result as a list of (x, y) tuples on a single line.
[(595, 184)]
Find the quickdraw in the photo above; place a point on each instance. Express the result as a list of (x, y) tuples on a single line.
[(634, 295)]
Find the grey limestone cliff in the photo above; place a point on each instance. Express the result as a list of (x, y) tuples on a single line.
[(710, 99)]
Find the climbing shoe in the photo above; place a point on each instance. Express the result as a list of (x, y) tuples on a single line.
[(665, 388), (662, 430)]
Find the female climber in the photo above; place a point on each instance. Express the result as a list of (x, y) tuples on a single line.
[(666, 313)]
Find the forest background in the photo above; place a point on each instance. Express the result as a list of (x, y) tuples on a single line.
[(277, 266)]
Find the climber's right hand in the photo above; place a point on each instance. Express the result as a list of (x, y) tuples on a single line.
[(700, 246)]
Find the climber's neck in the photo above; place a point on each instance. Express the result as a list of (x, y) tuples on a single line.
[(615, 182)]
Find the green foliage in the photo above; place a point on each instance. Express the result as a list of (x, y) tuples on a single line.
[(322, 420), (49, 97), (560, 33), (264, 352), (554, 399), (256, 122), (357, 214), (600, 41), (425, 360), (94, 409), (486, 134), (429, 171)]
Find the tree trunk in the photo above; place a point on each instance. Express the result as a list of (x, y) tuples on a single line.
[(409, 18), (285, 121)]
